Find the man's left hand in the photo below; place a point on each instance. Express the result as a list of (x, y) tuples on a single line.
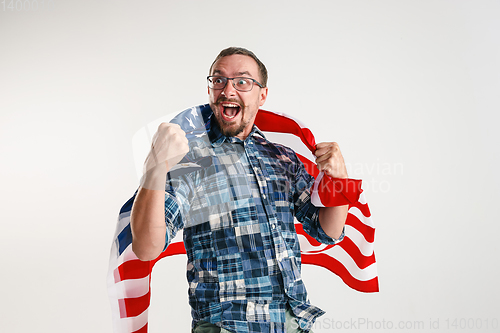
[(330, 160)]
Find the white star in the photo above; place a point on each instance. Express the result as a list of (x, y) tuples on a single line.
[(191, 122), (194, 113)]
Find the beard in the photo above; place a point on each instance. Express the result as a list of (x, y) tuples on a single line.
[(230, 131), (233, 129)]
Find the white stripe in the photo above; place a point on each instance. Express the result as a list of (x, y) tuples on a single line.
[(359, 215), (306, 246), (126, 255), (131, 324), (315, 199), (359, 240), (291, 141), (362, 198), (118, 291), (112, 292), (132, 288), (365, 247), (366, 274), (346, 260), (178, 237)]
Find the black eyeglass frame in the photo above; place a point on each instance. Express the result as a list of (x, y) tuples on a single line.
[(232, 82)]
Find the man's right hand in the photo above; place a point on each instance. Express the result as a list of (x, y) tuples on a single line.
[(168, 147)]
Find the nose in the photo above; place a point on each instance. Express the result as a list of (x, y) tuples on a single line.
[(229, 89)]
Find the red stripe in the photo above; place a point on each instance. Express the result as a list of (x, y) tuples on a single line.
[(367, 231), (347, 244), (137, 269), (132, 307), (132, 269), (361, 260), (300, 231), (336, 267), (338, 192), (272, 122), (363, 208), (172, 249)]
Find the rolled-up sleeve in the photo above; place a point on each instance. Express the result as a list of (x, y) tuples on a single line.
[(177, 206)]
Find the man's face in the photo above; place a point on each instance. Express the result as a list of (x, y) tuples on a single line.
[(235, 110)]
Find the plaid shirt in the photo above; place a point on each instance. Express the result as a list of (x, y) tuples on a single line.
[(237, 212)]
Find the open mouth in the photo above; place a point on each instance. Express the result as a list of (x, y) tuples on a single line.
[(229, 111)]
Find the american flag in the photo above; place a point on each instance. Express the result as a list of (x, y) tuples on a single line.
[(353, 259)]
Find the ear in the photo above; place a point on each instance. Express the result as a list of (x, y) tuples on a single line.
[(262, 96)]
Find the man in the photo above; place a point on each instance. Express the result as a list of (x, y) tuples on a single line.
[(237, 212)]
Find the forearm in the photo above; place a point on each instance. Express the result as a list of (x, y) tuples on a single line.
[(332, 220), (148, 217), (168, 147), (330, 160)]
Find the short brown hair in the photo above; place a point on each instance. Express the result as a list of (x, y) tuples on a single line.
[(239, 50)]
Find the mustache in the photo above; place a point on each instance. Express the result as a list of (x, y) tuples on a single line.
[(228, 100)]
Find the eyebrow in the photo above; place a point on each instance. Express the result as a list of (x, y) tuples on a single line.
[(244, 73), (216, 71)]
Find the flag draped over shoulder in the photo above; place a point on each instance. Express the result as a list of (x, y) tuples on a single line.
[(352, 259)]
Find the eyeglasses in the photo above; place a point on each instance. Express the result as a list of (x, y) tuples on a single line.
[(239, 83)]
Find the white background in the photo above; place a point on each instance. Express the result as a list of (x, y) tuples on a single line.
[(409, 89)]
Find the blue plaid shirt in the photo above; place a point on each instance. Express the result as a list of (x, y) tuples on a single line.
[(237, 211)]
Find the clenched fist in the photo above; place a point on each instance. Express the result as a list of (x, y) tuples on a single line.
[(168, 147), (330, 160)]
